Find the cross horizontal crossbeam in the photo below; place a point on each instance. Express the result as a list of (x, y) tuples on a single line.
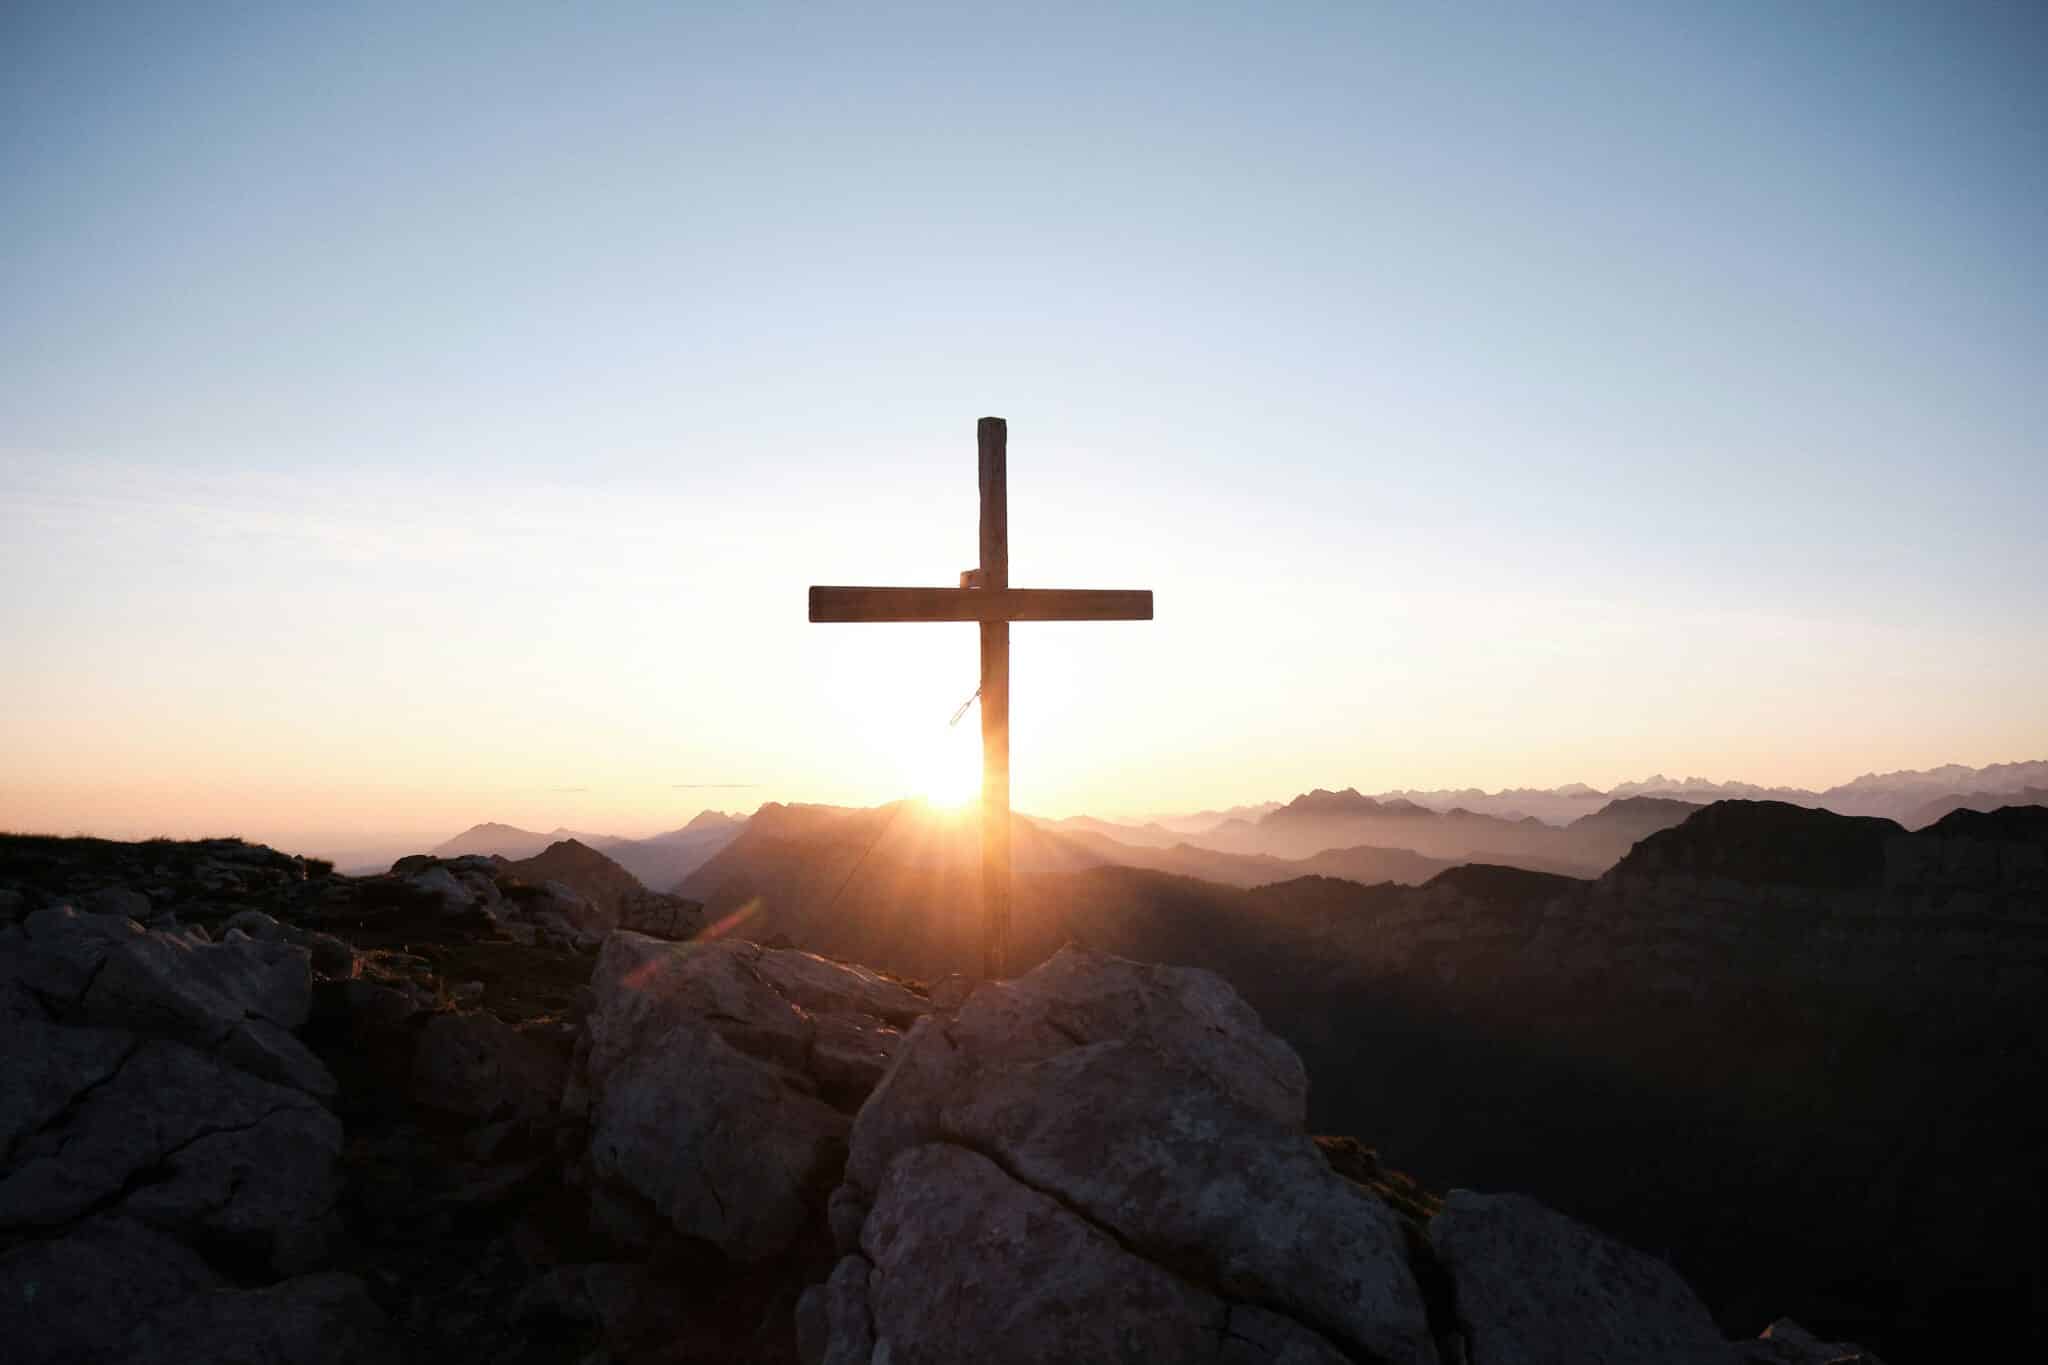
[(980, 604)]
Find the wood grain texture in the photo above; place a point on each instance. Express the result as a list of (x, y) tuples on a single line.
[(992, 443), (980, 604)]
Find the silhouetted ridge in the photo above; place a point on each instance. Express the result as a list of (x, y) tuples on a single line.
[(1626, 808), (1510, 886), (1768, 843), (714, 819), (2020, 824), (582, 869), (1322, 802)]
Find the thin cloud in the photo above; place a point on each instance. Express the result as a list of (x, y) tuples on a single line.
[(712, 786)]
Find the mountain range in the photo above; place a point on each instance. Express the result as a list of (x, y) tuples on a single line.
[(1405, 836), (1911, 797), (658, 862)]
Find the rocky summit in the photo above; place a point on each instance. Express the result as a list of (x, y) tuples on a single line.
[(253, 1111)]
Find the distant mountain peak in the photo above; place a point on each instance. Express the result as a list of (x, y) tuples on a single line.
[(713, 819), (1322, 801)]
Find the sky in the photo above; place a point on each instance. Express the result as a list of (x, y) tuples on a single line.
[(418, 415)]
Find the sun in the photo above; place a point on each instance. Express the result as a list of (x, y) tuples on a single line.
[(949, 771)]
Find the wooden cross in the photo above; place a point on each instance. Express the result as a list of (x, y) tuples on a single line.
[(985, 595)]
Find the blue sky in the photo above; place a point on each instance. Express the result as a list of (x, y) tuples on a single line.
[(414, 410)]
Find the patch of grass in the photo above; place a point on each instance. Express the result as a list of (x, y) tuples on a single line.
[(1361, 1165)]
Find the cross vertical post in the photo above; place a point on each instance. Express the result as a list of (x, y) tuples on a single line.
[(992, 436), (986, 598)]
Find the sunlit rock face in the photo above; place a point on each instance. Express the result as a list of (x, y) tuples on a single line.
[(720, 1079), (1105, 1160)]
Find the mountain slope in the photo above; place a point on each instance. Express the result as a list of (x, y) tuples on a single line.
[(583, 870), (1240, 869), (1323, 819), (663, 860)]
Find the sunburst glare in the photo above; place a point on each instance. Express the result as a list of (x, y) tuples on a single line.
[(948, 770)]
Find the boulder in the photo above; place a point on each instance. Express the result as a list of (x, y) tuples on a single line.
[(178, 1140), (720, 1079), (1254, 1336), (833, 1326), (1106, 1160), (325, 1319), (76, 1297), (240, 1000), (440, 882), (851, 1053), (46, 1069), (256, 925), (972, 1265), (1075, 998), (331, 956), (63, 949), (261, 1048), (160, 983), (479, 1065), (118, 900), (822, 987), (1201, 1181), (579, 911), (725, 1145), (1534, 1287), (660, 916)]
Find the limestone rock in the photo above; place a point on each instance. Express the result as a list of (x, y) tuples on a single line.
[(123, 901), (63, 950), (159, 983), (845, 1211), (1254, 1336), (582, 913), (720, 1079), (972, 1265), (1075, 998), (261, 1048), (1537, 1288), (325, 1319), (822, 987), (440, 882), (230, 1156), (1105, 1160), (851, 1053), (1198, 1180), (76, 1297), (661, 916), (256, 925), (833, 1326), (46, 1069), (643, 988), (721, 1142)]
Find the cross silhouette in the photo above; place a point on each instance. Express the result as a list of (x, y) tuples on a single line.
[(985, 595)]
